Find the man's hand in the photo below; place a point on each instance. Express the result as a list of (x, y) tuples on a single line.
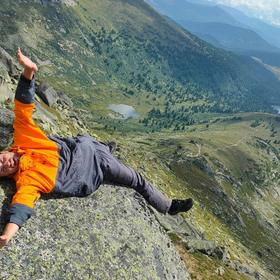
[(4, 240), (9, 231)]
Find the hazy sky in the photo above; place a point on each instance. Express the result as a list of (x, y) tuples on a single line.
[(268, 10)]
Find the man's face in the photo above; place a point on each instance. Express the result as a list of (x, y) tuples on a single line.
[(9, 163)]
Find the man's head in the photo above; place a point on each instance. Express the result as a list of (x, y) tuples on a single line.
[(9, 163)]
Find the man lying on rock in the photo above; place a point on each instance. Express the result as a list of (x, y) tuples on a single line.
[(74, 166)]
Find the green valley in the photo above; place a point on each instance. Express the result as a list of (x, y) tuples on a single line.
[(136, 54)]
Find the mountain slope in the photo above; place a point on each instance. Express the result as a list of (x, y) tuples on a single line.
[(230, 167), (229, 163), (131, 52)]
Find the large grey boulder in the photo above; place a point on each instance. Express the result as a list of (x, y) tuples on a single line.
[(5, 92), (7, 62), (111, 234), (6, 128), (177, 225), (206, 247), (47, 94)]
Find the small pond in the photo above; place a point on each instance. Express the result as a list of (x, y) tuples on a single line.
[(125, 110), (277, 108)]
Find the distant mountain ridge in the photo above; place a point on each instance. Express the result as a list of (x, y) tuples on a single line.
[(268, 32), (193, 11), (225, 27), (230, 37)]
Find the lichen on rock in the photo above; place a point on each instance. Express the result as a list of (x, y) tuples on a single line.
[(111, 234), (6, 128)]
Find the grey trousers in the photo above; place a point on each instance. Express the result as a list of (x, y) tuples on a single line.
[(116, 173)]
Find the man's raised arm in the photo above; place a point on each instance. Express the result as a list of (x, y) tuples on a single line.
[(25, 129)]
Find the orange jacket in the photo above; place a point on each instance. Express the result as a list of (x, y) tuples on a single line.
[(38, 157), (68, 166)]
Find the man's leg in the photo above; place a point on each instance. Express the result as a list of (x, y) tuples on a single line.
[(119, 174)]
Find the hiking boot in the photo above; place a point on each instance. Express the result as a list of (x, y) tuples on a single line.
[(180, 205)]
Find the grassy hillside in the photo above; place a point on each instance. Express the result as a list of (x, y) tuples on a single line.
[(230, 167)]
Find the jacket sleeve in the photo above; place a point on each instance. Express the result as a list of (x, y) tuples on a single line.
[(25, 129), (25, 91), (22, 204), (19, 213)]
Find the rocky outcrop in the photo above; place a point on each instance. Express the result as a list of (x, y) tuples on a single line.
[(5, 92), (9, 72), (62, 103), (206, 247), (111, 234), (182, 231), (7, 62), (64, 99), (197, 161), (6, 127), (47, 94), (51, 97), (179, 228)]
